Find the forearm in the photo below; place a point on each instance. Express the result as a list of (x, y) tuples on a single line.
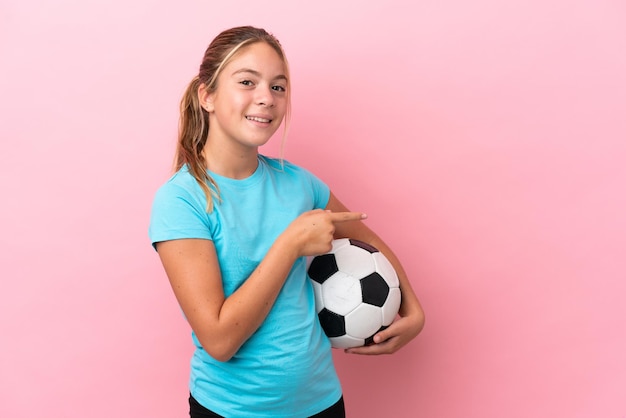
[(310, 234), (222, 324), (243, 312)]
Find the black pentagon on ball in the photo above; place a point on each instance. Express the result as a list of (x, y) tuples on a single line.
[(367, 247), (322, 267), (374, 289), (332, 323)]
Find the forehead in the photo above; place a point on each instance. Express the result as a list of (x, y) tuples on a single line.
[(259, 57)]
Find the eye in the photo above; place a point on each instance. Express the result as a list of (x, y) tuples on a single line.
[(246, 82), (279, 88)]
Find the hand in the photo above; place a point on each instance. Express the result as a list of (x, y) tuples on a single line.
[(312, 232), (396, 336)]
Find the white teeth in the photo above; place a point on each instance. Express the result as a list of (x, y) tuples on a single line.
[(258, 119)]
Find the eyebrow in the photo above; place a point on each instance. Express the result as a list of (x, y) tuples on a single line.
[(258, 74)]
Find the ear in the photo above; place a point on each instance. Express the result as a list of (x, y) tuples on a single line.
[(205, 98)]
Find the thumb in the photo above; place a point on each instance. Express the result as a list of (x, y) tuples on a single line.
[(382, 336)]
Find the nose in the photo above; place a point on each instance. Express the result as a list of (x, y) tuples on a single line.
[(264, 96)]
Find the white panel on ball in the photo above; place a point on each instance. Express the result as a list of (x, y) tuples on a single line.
[(317, 291), (355, 261), (386, 270), (391, 306), (346, 341), (364, 321), (341, 293), (339, 243)]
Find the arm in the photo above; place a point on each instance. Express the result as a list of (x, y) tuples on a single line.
[(411, 320), (223, 324)]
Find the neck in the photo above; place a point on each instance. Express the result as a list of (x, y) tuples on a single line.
[(236, 164)]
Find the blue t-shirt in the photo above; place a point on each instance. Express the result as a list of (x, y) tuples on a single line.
[(285, 368)]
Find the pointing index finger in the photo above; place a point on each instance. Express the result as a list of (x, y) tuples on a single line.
[(347, 216)]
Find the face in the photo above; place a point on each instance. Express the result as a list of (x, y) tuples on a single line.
[(250, 101)]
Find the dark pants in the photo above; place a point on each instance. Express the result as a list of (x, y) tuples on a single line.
[(198, 411)]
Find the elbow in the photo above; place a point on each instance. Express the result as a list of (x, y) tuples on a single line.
[(417, 320), (421, 322), (221, 351), (221, 356)]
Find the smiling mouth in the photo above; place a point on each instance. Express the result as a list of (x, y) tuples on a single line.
[(256, 119)]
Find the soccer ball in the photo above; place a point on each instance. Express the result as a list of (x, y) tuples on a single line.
[(357, 292)]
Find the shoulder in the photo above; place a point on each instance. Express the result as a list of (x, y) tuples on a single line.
[(181, 178), (297, 180), (284, 166), (181, 186), (180, 181), (179, 210)]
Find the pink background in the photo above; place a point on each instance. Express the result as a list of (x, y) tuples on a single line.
[(485, 139)]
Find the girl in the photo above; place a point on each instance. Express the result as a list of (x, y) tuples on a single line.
[(232, 229)]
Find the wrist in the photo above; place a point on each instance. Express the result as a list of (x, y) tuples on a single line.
[(286, 247)]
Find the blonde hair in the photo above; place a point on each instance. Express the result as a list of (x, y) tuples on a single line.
[(193, 128)]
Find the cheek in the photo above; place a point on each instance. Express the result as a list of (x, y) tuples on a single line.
[(230, 102), (281, 107), (240, 98)]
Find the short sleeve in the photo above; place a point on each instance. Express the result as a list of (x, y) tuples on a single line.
[(179, 212), (320, 190)]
